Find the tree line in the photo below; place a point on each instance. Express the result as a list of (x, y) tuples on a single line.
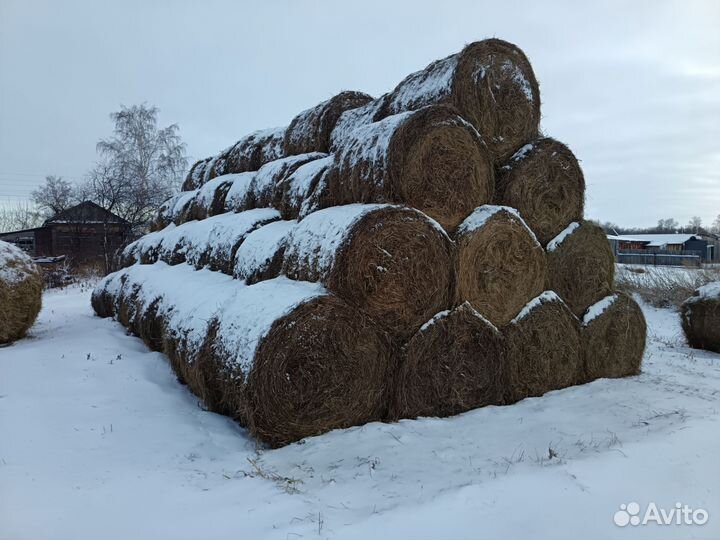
[(665, 226)]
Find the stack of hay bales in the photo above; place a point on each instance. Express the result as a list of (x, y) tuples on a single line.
[(21, 285), (701, 318), (421, 253)]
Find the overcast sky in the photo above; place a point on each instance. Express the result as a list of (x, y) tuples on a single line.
[(632, 87)]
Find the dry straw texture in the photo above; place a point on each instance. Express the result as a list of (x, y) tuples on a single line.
[(453, 364), (310, 130), (430, 159), (581, 266), (392, 262), (543, 349), (613, 337), (543, 180), (501, 265), (21, 285), (491, 83), (255, 150), (324, 366), (701, 318)]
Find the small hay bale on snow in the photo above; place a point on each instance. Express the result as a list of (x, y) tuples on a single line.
[(393, 262), (430, 159), (255, 150), (490, 82), (613, 337), (544, 181), (543, 349), (701, 318), (581, 266), (451, 365), (310, 130), (260, 256), (501, 265), (21, 285)]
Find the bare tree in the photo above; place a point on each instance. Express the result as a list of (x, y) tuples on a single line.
[(716, 225), (54, 196), (695, 224), (18, 216), (669, 225), (140, 166)]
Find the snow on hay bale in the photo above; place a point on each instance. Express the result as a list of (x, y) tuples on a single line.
[(284, 357), (310, 130), (195, 175), (491, 83), (543, 180), (393, 262), (255, 150), (265, 187), (452, 364), (613, 337), (260, 256), (581, 265), (543, 349), (209, 199), (210, 242), (430, 159), (21, 285), (295, 191), (501, 265), (701, 318)]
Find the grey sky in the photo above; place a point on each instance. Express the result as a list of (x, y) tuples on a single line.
[(632, 87)]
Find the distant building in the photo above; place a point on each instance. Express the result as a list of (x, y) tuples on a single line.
[(83, 233), (665, 248)]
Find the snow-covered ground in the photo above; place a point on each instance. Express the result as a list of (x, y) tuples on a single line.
[(98, 440)]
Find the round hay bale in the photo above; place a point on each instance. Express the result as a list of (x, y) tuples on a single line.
[(165, 214), (310, 130), (183, 204), (260, 256), (255, 150), (544, 181), (490, 82), (451, 365), (613, 338), (701, 318), (543, 349), (267, 186), (21, 285), (501, 265), (210, 199), (310, 362), (293, 192), (430, 159), (581, 266), (392, 262), (195, 175), (104, 295)]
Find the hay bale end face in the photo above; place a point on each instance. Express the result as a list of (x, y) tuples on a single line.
[(613, 337), (451, 365), (543, 349), (393, 262), (580, 266), (544, 181), (430, 159), (701, 318), (490, 82), (501, 265), (260, 256), (21, 285), (310, 130)]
